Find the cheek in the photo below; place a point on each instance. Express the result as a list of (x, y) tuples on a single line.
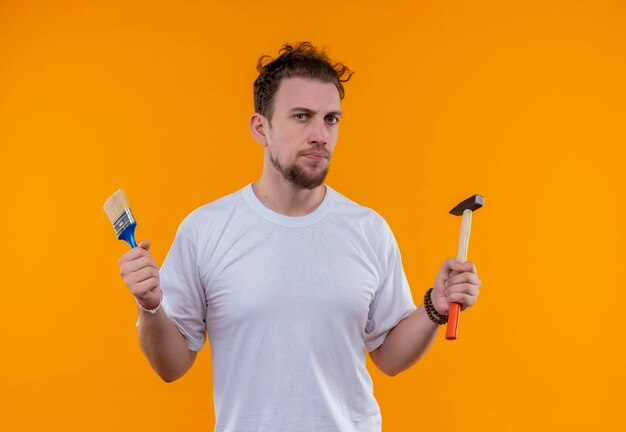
[(282, 151), (332, 141)]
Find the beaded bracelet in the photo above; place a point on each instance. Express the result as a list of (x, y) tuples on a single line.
[(434, 316)]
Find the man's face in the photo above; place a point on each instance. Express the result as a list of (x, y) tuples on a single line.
[(303, 130)]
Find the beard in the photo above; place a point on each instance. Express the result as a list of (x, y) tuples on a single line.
[(298, 176)]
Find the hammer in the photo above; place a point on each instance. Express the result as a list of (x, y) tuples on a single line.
[(465, 208)]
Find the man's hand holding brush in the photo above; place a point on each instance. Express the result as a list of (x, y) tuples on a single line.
[(141, 275)]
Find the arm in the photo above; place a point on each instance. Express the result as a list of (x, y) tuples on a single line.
[(164, 345), (161, 341), (405, 343), (411, 337)]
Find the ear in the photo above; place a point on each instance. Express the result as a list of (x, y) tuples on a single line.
[(258, 128)]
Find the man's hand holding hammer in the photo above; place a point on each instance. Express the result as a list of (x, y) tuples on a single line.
[(456, 282)]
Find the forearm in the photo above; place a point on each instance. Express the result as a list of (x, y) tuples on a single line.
[(406, 343), (164, 345)]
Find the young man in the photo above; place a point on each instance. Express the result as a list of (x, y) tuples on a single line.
[(292, 281)]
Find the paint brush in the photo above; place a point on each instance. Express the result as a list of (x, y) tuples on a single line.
[(116, 208)]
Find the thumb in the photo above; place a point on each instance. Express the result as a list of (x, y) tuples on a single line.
[(144, 244)]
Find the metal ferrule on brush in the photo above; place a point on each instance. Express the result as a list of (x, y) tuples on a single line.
[(117, 210), (124, 220)]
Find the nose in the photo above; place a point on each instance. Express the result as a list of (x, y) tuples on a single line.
[(319, 132)]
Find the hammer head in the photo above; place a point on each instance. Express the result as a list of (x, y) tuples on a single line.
[(473, 203)]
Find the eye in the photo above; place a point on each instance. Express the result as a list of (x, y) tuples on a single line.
[(332, 119), (300, 116)]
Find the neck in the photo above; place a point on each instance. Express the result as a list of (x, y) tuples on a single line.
[(283, 197)]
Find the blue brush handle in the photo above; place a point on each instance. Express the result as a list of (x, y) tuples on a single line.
[(129, 235)]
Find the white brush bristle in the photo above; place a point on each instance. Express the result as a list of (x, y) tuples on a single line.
[(115, 205)]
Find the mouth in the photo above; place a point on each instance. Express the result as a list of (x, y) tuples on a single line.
[(315, 156)]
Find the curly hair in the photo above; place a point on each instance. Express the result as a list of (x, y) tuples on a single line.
[(303, 60)]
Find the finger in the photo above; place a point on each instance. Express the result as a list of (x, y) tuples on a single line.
[(144, 244), (128, 269), (139, 263), (447, 266), (133, 254), (470, 267), (464, 300), (463, 266), (141, 275), (456, 265), (442, 281), (452, 274), (445, 272), (141, 289), (463, 288), (463, 278)]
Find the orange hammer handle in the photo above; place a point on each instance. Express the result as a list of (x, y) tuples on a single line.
[(453, 321), (455, 308)]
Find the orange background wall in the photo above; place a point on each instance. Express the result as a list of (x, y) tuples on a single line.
[(521, 101)]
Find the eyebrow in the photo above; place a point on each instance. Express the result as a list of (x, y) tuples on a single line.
[(310, 111)]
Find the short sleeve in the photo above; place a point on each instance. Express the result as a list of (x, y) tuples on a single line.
[(392, 302), (184, 298)]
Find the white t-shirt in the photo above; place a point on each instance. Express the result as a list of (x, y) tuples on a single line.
[(290, 305)]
